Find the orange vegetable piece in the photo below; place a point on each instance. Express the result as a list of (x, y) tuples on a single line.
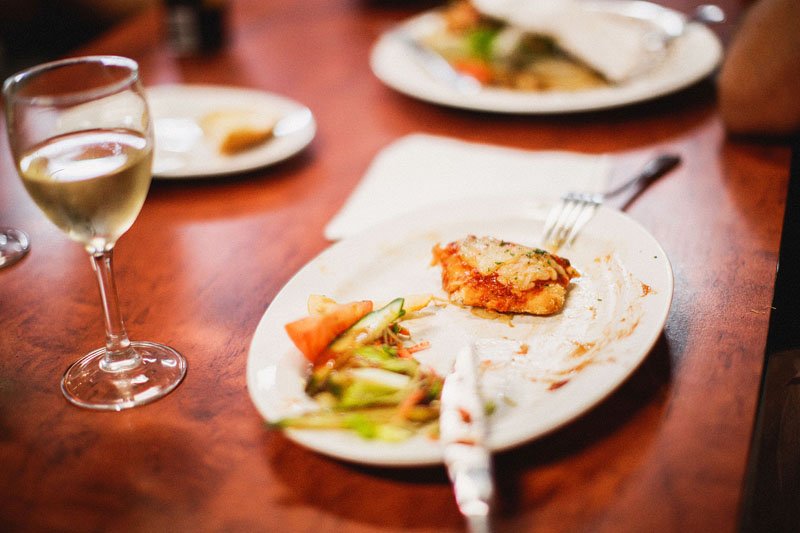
[(478, 69), (313, 334)]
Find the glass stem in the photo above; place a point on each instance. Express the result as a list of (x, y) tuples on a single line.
[(119, 355)]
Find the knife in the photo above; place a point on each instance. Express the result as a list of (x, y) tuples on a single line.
[(434, 64), (463, 435)]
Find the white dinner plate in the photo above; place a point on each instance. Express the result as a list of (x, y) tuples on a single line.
[(692, 56), (184, 151), (542, 372)]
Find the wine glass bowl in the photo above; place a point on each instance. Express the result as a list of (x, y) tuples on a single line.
[(82, 139), (80, 133)]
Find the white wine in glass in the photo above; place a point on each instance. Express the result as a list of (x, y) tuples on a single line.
[(82, 138)]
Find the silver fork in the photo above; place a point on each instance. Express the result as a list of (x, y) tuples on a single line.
[(575, 209)]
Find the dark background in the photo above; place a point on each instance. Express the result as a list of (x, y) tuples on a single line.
[(34, 31)]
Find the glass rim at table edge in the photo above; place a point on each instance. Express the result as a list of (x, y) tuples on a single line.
[(22, 243)]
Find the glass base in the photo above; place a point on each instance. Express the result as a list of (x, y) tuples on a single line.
[(14, 244), (86, 384)]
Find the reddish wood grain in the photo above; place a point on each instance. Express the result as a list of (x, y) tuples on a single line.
[(666, 452)]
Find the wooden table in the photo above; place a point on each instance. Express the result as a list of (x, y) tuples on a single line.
[(666, 452)]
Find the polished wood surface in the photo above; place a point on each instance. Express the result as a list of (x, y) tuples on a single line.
[(666, 452)]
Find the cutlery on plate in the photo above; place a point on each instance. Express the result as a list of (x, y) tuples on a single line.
[(575, 209), (434, 64), (702, 14), (658, 41), (463, 434)]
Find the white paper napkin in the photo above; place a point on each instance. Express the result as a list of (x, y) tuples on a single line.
[(612, 45), (420, 169)]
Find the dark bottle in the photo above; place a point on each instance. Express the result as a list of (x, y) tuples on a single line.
[(196, 26)]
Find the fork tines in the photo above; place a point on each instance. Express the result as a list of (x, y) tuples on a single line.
[(567, 218)]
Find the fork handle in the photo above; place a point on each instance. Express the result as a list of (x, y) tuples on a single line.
[(654, 169)]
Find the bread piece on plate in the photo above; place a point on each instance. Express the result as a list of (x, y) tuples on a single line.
[(502, 276), (237, 130)]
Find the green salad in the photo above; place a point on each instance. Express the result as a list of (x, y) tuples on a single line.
[(362, 371)]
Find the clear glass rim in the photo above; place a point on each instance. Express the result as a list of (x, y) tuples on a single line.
[(15, 80)]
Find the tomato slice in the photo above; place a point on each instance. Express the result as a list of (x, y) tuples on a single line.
[(313, 334), (478, 69)]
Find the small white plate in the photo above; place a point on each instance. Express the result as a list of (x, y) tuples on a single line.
[(542, 372), (690, 57), (182, 149)]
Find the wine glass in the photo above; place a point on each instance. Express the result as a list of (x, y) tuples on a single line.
[(14, 244), (82, 139)]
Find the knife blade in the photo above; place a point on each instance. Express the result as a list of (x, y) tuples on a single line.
[(463, 435), (436, 65)]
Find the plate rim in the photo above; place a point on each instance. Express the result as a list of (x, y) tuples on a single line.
[(385, 458), (305, 136)]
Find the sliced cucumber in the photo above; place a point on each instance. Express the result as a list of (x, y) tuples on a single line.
[(380, 377), (367, 394), (383, 357), (368, 329), (377, 423)]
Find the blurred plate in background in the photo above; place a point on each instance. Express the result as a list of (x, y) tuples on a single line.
[(185, 150), (693, 53)]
